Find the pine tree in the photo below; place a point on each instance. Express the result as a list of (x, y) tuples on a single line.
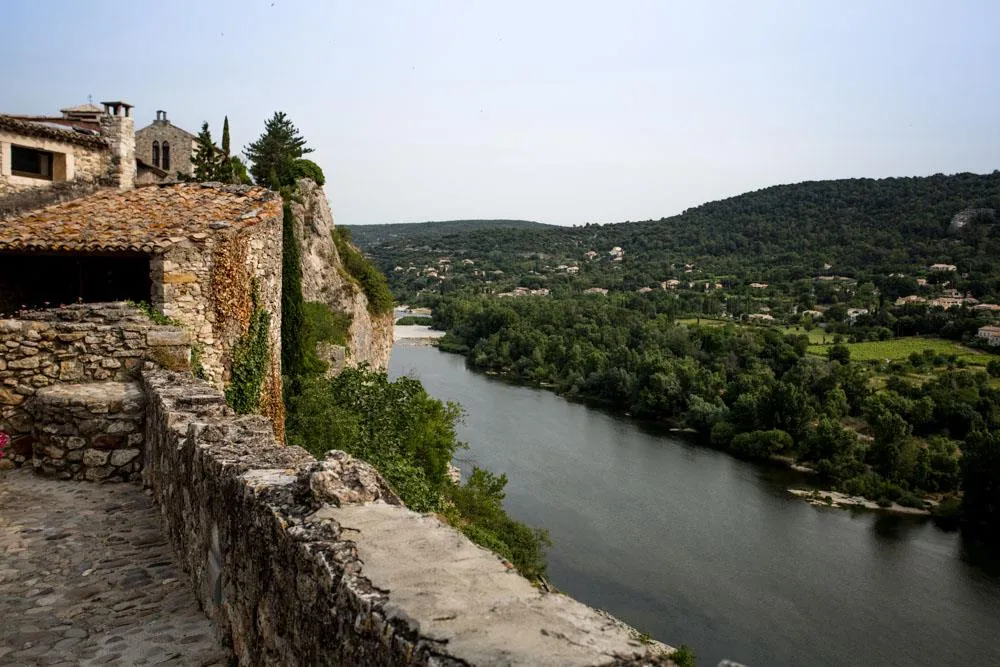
[(206, 156), (272, 157)]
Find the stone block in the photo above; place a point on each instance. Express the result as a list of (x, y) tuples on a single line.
[(93, 458), (167, 336), (120, 457), (179, 277), (7, 397), (29, 363)]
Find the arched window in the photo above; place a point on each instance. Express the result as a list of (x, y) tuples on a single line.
[(166, 157), (156, 153)]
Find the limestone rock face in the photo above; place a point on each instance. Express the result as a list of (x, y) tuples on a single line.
[(341, 479), (325, 280)]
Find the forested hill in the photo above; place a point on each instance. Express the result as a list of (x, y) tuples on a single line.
[(365, 235), (849, 227)]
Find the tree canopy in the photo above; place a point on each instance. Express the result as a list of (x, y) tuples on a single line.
[(274, 154)]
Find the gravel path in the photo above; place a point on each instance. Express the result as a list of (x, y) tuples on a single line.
[(87, 578)]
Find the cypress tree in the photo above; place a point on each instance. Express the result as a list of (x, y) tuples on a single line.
[(225, 136)]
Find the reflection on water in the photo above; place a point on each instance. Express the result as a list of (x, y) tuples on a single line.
[(695, 547)]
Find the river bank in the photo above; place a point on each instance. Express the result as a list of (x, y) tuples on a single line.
[(697, 547), (816, 496)]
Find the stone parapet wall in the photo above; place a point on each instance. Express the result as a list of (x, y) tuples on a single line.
[(303, 562), (90, 432), (83, 343)]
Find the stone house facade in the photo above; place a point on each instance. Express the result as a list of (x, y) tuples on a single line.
[(38, 152), (163, 145), (202, 255)]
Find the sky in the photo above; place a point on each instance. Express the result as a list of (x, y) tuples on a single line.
[(562, 112)]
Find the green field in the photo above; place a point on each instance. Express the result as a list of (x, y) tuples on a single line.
[(901, 348)]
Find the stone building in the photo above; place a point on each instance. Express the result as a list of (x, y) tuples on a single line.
[(83, 146), (163, 145), (202, 255)]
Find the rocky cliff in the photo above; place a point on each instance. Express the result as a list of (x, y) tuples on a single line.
[(325, 280)]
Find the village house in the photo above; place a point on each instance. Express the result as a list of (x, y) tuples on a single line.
[(84, 148), (990, 334), (943, 268)]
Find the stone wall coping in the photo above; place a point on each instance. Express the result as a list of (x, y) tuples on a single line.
[(306, 562)]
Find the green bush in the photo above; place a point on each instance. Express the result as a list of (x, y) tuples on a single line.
[(410, 438), (372, 282), (303, 168), (683, 656), (320, 324), (761, 444), (414, 319)]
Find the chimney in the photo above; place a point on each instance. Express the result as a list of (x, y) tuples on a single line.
[(118, 128), (161, 117)]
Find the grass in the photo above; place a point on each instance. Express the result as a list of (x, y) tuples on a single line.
[(901, 348)]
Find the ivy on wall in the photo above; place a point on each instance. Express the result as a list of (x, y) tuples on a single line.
[(251, 360)]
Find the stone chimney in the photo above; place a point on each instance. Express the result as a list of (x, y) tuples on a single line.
[(161, 118), (118, 128)]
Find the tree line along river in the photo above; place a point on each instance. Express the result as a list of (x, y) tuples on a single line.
[(695, 547)]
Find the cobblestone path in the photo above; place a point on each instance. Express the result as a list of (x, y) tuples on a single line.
[(87, 578)]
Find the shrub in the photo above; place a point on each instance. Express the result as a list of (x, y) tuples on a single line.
[(683, 656), (761, 444), (303, 168), (372, 282)]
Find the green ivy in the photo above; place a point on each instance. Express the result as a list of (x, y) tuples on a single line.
[(197, 366), (251, 355), (152, 313)]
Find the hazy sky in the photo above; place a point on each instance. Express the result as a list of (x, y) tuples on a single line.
[(563, 112)]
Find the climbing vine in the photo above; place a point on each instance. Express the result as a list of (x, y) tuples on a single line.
[(251, 360)]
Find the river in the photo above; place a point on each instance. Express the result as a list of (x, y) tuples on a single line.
[(698, 548)]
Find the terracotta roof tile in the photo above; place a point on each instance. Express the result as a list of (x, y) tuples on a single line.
[(146, 219), (30, 129)]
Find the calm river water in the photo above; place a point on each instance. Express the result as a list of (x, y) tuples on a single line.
[(697, 548)]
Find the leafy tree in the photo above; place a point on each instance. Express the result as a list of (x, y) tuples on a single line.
[(274, 154), (981, 481)]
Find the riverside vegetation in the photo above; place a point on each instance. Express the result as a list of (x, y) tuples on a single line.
[(396, 426), (744, 321)]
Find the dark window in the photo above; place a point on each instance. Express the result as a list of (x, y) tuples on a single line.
[(166, 157), (30, 162), (37, 279), (156, 153)]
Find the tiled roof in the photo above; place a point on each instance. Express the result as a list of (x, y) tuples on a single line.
[(146, 219), (27, 128), (83, 108)]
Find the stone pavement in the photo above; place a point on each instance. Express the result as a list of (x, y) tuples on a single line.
[(87, 578)]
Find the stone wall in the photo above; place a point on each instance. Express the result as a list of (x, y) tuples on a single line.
[(34, 198), (181, 146), (205, 282), (83, 343), (90, 432), (324, 280), (315, 563)]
